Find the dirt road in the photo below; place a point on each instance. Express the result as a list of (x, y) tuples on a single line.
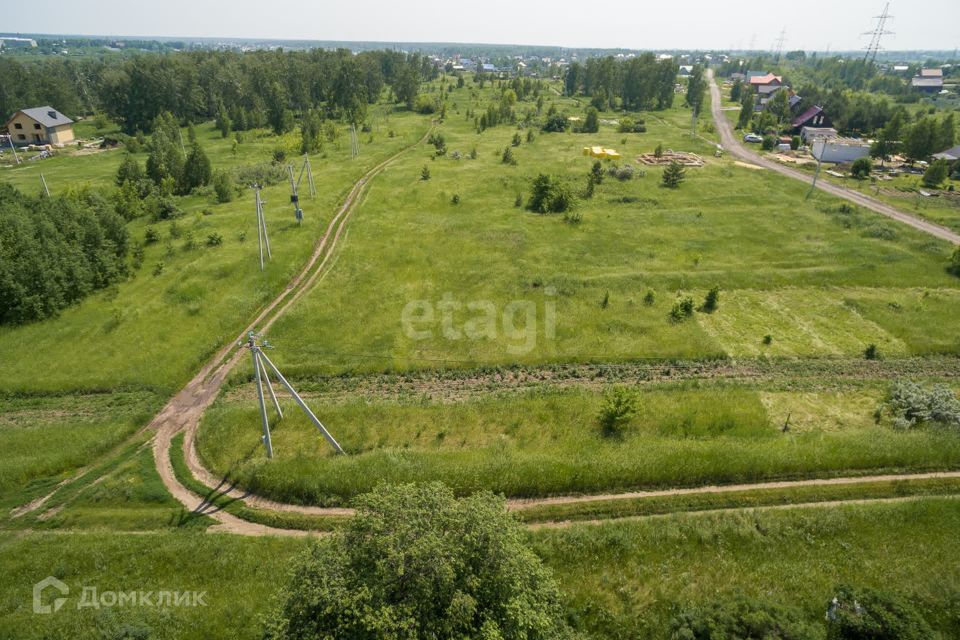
[(732, 144)]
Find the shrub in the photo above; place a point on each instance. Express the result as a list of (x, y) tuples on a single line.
[(166, 209), (658, 150), (549, 195), (416, 562), (279, 155), (954, 266), (649, 299), (673, 175), (911, 405), (866, 614), (516, 140), (530, 136), (596, 172), (795, 142), (741, 618), (223, 186), (591, 122), (767, 339), (861, 168), (682, 309), (769, 142), (619, 406), (936, 173), (507, 157), (214, 240), (455, 199), (158, 268), (871, 352), (555, 123), (712, 301), (623, 173), (425, 173), (151, 236), (425, 104)]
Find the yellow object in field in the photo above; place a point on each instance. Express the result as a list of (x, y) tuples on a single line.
[(586, 151), (601, 153), (612, 154), (598, 152)]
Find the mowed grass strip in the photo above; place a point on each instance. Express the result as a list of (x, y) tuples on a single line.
[(548, 442)]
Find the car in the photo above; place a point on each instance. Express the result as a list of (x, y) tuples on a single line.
[(752, 137)]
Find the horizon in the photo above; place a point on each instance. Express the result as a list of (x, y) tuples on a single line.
[(620, 25)]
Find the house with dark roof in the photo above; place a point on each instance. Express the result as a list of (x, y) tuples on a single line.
[(40, 125), (812, 117), (951, 154)]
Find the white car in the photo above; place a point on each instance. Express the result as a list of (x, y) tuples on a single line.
[(752, 137)]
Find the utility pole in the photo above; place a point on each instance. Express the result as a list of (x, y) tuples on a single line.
[(295, 186), (44, 182), (13, 148), (877, 33), (354, 145), (256, 344), (779, 44), (263, 240), (816, 174)]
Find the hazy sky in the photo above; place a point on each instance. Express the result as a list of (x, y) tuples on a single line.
[(640, 24)]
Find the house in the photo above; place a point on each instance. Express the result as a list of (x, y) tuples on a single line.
[(737, 76), (40, 125), (928, 81), (685, 70), (766, 84), (814, 117), (953, 153), (809, 134), (12, 42)]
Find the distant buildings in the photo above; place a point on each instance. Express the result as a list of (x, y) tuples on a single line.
[(12, 42), (928, 81), (814, 117), (951, 154)]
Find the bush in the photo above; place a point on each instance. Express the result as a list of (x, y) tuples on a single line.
[(871, 352), (712, 301), (556, 123), (936, 173), (795, 142), (516, 140), (214, 240), (166, 209), (649, 299), (911, 405), (549, 195), (954, 266), (151, 236), (591, 122), (425, 104), (866, 614), (619, 406), (425, 173), (416, 562), (507, 157), (279, 155), (742, 618), (223, 186), (455, 199), (769, 142), (682, 309), (861, 168)]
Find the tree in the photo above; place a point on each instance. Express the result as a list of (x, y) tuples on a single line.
[(746, 109), (224, 123), (310, 132), (416, 562), (696, 86), (197, 171), (888, 141), (129, 171), (555, 123), (673, 175), (866, 614), (712, 301), (954, 266), (596, 172), (736, 90), (936, 173), (425, 173), (779, 107), (921, 139), (742, 617), (549, 195), (861, 168), (948, 133), (223, 186), (165, 159), (591, 122), (278, 111)]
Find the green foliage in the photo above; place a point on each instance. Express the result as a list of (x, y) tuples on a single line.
[(871, 352), (649, 298), (223, 186), (954, 265), (921, 139), (214, 240), (165, 160), (197, 170), (712, 300), (425, 173), (912, 405), (867, 614), (591, 121), (658, 150), (769, 142), (311, 129), (936, 173), (556, 123), (55, 252), (682, 309), (746, 109), (696, 89), (742, 618), (861, 168), (596, 172), (795, 143), (516, 140), (129, 171), (425, 103), (619, 406), (550, 195), (415, 562), (507, 156), (673, 175)]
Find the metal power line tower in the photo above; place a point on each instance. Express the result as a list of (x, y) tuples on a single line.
[(295, 186), (877, 33), (778, 44), (256, 344), (263, 240)]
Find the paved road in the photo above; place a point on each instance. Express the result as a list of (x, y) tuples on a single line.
[(732, 144)]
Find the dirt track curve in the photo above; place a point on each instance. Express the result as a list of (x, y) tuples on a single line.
[(732, 144)]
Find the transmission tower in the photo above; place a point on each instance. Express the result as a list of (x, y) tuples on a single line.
[(778, 44), (877, 33)]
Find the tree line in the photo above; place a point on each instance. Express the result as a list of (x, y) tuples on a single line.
[(249, 89), (56, 251), (639, 83)]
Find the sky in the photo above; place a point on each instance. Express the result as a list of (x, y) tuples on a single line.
[(634, 24)]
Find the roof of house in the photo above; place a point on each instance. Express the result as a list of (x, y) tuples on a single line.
[(807, 115), (47, 116), (794, 100), (953, 153), (931, 73), (918, 81), (767, 79)]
